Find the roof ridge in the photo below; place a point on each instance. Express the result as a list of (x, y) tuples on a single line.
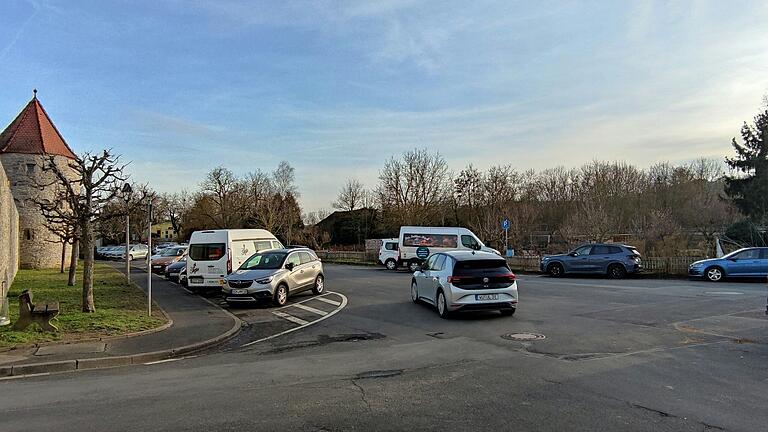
[(55, 129)]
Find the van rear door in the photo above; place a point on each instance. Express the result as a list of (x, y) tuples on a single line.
[(207, 261)]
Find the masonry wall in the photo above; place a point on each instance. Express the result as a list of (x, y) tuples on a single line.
[(9, 235), (38, 247)]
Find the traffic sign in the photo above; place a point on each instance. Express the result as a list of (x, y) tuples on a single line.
[(505, 224)]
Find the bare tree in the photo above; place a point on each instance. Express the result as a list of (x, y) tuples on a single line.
[(351, 196), (225, 193), (82, 201), (414, 188)]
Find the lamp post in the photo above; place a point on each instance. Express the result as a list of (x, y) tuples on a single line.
[(127, 190)]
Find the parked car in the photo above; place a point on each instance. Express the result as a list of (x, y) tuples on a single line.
[(274, 275), (388, 253), (465, 281), (747, 262), (214, 253), (167, 256), (103, 251), (138, 251), (613, 259), (417, 243), (174, 270), (160, 246), (115, 252)]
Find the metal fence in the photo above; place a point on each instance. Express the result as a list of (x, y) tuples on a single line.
[(677, 266)]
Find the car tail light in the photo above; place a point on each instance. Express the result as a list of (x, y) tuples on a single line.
[(229, 263), (510, 277), (454, 279)]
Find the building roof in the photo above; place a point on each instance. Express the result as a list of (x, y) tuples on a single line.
[(33, 132)]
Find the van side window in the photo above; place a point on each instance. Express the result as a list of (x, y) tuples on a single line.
[(277, 245), (470, 242), (261, 245)]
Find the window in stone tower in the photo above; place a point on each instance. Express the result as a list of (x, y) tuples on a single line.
[(30, 168), (29, 234)]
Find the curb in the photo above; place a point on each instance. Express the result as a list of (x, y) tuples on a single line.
[(115, 361)]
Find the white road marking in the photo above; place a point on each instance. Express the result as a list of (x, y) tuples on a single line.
[(331, 302), (311, 309), (291, 318), (24, 376), (337, 310)]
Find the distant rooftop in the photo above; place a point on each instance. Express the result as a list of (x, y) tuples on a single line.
[(33, 132)]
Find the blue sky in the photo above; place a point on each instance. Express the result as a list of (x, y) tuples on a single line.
[(335, 88)]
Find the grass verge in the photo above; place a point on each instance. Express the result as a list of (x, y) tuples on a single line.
[(120, 309)]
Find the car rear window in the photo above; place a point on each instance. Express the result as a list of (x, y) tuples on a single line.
[(480, 267), (206, 251), (390, 246)]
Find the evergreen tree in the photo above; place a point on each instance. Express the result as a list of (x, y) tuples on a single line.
[(748, 187)]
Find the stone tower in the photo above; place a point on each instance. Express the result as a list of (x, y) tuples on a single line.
[(24, 148)]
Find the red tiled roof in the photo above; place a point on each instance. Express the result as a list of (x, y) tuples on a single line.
[(32, 131)]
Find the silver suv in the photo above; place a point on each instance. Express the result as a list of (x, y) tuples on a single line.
[(274, 275)]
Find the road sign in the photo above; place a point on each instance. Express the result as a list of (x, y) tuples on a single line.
[(422, 252), (505, 224)]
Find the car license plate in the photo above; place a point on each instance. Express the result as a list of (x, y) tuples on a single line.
[(157, 266), (481, 297), (239, 291)]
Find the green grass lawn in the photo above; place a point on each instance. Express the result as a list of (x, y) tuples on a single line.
[(120, 309)]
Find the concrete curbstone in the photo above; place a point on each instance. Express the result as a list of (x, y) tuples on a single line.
[(142, 358), (47, 367), (6, 371)]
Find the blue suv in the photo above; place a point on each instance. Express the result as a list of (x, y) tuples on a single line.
[(614, 260), (748, 262)]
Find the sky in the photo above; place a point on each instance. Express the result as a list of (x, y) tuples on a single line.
[(338, 87)]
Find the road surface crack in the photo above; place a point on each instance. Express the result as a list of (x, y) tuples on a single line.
[(362, 394)]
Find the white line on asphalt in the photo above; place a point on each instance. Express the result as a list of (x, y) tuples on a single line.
[(331, 302), (311, 309), (169, 360), (25, 376), (291, 318), (309, 299), (337, 310)]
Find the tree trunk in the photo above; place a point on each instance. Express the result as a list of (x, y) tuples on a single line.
[(73, 262), (63, 255), (88, 305)]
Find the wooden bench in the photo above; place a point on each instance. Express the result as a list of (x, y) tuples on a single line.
[(41, 313)]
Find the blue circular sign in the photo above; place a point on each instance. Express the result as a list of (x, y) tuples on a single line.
[(422, 252)]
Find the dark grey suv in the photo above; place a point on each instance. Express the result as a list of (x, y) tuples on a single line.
[(612, 259)]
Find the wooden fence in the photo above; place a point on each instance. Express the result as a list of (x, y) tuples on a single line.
[(677, 266)]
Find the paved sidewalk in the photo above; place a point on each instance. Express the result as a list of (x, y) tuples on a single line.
[(196, 324)]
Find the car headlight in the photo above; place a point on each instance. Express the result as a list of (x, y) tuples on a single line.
[(695, 265), (265, 280)]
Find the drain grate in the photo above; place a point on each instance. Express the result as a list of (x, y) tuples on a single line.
[(523, 337)]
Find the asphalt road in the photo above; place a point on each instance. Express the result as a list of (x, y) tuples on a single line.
[(636, 354)]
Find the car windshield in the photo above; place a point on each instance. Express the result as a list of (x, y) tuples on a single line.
[(171, 252), (734, 253), (264, 261)]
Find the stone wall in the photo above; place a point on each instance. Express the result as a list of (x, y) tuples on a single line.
[(39, 247), (9, 235)]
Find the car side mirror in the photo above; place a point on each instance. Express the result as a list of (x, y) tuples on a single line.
[(573, 254), (289, 266)]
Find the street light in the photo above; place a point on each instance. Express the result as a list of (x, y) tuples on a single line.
[(127, 191)]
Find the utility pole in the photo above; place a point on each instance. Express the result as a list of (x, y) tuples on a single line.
[(149, 262), (127, 190)]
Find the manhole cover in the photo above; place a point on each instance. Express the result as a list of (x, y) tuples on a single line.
[(523, 336)]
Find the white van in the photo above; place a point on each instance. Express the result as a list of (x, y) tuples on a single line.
[(388, 254), (213, 254), (417, 243)]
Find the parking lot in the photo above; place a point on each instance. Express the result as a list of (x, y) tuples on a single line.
[(579, 354)]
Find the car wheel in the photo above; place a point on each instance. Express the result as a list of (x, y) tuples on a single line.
[(413, 265), (617, 271), (714, 274), (414, 292), (281, 295), (508, 312), (442, 306), (555, 270), (319, 287), (391, 264)]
